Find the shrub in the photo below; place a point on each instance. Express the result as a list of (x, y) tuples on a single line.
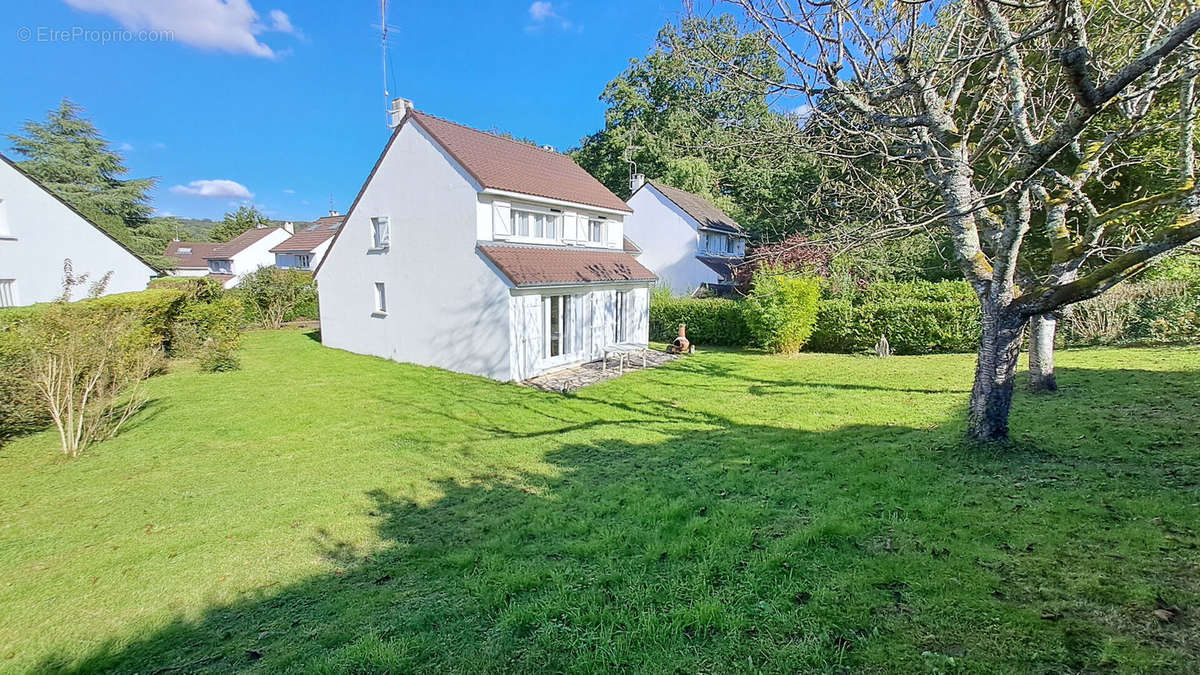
[(928, 291), (710, 321), (87, 363), (832, 330), (211, 331), (272, 294), (782, 309), (1151, 312), (916, 317)]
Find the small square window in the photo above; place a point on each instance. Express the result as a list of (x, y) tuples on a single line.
[(4, 231), (381, 235), (380, 298)]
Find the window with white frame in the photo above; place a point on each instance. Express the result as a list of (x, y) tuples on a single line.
[(380, 298), (596, 231), (620, 301), (381, 234), (220, 266), (559, 325), (303, 261), (536, 224), (8, 292), (731, 245)]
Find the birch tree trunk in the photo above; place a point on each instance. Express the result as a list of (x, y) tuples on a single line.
[(999, 351)]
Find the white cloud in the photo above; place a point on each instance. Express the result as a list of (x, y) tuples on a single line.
[(125, 147), (220, 188), (543, 13), (160, 146), (803, 110), (224, 25), (289, 192)]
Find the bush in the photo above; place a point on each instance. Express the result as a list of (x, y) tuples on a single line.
[(917, 318), (710, 321), (782, 309), (1143, 313), (211, 332), (273, 295)]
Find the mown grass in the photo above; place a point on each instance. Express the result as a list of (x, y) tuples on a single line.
[(328, 512)]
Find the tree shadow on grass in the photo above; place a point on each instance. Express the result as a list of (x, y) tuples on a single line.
[(721, 546)]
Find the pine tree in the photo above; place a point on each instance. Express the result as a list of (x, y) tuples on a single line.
[(67, 154)]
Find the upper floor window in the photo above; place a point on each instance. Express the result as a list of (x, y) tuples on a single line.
[(596, 232), (220, 267), (4, 231), (381, 235), (536, 224), (303, 261)]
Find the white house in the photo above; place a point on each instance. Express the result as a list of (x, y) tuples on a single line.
[(228, 262), (306, 249), (684, 238), (39, 231), (480, 254)]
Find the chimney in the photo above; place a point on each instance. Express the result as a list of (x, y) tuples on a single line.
[(636, 181), (399, 110), (289, 227), (333, 212)]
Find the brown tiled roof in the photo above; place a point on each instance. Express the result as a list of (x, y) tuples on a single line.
[(312, 236), (539, 265), (628, 246), (219, 277), (505, 164), (199, 250), (239, 243), (705, 212)]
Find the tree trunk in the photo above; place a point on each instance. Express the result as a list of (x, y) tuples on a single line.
[(1041, 353), (999, 349)]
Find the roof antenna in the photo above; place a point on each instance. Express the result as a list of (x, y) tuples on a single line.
[(636, 180), (383, 28)]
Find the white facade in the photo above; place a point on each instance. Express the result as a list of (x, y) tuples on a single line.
[(428, 295), (38, 232), (671, 240), (250, 258)]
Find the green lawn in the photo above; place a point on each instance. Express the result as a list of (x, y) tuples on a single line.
[(324, 511)]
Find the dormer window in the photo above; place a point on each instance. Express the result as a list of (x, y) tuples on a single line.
[(536, 224), (596, 231)]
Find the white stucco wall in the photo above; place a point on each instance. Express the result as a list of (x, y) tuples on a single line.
[(37, 232), (668, 239), (446, 306)]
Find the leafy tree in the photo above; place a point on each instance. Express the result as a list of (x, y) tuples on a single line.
[(684, 112), (988, 117), (67, 154), (237, 222)]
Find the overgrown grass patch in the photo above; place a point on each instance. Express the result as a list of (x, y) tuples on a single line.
[(326, 511)]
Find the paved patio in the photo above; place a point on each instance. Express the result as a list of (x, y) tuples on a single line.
[(565, 381)]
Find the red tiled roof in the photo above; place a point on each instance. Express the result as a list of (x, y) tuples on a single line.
[(505, 164), (538, 265), (239, 243), (722, 266), (705, 212), (628, 246), (312, 236), (194, 258)]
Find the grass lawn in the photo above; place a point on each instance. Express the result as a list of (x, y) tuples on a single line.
[(324, 511)]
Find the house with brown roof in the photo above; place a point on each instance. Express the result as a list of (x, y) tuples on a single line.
[(684, 238), (480, 254), (228, 261), (306, 249)]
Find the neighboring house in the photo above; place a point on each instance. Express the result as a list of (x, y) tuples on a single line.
[(228, 262), (480, 254), (685, 239), (39, 231), (189, 257), (306, 249)]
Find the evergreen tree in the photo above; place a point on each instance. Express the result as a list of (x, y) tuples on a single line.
[(67, 154), (237, 222)]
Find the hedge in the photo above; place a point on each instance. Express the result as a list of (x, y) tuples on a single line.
[(782, 309), (911, 326), (710, 321)]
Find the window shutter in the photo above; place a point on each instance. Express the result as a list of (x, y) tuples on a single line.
[(612, 233), (570, 227), (501, 219)]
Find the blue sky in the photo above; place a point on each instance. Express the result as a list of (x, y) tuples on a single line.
[(283, 99)]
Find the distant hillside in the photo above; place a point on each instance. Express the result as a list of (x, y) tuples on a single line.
[(198, 229)]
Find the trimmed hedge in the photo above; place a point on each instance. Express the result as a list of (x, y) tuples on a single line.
[(710, 321), (911, 326)]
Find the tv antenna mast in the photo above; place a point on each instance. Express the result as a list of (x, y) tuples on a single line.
[(386, 57)]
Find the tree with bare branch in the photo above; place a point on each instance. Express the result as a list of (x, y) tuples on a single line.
[(993, 119)]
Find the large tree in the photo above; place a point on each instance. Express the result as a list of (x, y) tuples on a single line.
[(67, 154), (987, 117), (677, 115), (247, 217)]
